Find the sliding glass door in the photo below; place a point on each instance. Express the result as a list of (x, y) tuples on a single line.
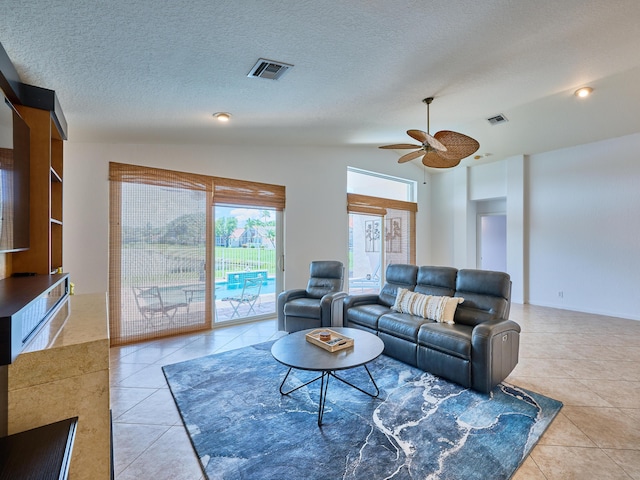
[(246, 251), (188, 250)]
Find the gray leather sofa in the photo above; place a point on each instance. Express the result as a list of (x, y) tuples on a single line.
[(478, 351)]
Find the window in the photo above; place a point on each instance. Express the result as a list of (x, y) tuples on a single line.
[(379, 185), (381, 230)]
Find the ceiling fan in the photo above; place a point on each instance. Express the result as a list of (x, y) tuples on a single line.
[(445, 149)]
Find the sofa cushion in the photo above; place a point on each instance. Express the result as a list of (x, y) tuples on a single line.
[(477, 309), (487, 296), (303, 307), (325, 276), (397, 276), (440, 309), (436, 281), (451, 339), (366, 315), (402, 325)]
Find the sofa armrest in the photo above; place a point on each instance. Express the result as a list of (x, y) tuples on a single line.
[(331, 308), (351, 301), (362, 299), (283, 298), (494, 352), (291, 294), (484, 331)]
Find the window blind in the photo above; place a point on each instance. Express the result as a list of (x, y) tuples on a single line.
[(241, 192)]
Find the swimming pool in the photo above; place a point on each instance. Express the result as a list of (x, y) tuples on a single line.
[(195, 291)]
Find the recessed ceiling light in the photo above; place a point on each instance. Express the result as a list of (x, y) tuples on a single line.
[(222, 116), (583, 92)]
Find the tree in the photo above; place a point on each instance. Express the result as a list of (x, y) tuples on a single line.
[(271, 236), (250, 227), (268, 225), (266, 215), (188, 229), (225, 227)]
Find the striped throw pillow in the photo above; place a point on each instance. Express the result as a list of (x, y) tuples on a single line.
[(433, 307)]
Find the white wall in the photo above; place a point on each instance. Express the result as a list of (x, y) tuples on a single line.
[(572, 225), (517, 221), (585, 227), (572, 214), (315, 180), (442, 206), (488, 181)]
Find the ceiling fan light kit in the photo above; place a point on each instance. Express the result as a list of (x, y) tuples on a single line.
[(222, 116), (583, 92), (445, 149)]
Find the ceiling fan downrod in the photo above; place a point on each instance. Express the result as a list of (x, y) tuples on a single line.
[(428, 101)]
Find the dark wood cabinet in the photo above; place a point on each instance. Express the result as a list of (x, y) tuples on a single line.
[(42, 453), (26, 305)]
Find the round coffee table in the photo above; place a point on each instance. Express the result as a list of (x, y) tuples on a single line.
[(294, 351)]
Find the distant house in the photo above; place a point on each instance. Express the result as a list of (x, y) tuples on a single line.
[(255, 237), (237, 237), (244, 236)]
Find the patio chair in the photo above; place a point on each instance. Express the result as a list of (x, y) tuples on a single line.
[(153, 307), (249, 296)]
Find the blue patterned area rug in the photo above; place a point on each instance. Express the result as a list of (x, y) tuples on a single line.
[(420, 427)]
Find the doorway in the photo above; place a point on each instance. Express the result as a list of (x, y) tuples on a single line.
[(492, 242)]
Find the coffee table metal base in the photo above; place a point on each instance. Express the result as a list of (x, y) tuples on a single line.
[(324, 386)]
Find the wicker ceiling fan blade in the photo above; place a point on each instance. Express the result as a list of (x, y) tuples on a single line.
[(426, 139), (400, 146), (436, 144), (458, 145), (418, 135), (435, 159), (410, 156)]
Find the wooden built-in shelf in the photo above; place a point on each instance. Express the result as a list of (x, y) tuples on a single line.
[(45, 250), (55, 177)]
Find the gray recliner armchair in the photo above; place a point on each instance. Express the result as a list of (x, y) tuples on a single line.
[(317, 306)]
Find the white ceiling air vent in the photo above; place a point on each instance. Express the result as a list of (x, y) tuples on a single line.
[(269, 69), (497, 119)]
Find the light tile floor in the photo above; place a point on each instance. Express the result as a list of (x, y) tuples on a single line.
[(589, 362)]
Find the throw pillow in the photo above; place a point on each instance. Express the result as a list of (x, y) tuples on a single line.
[(433, 307)]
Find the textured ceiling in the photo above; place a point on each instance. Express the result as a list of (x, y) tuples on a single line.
[(154, 71)]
